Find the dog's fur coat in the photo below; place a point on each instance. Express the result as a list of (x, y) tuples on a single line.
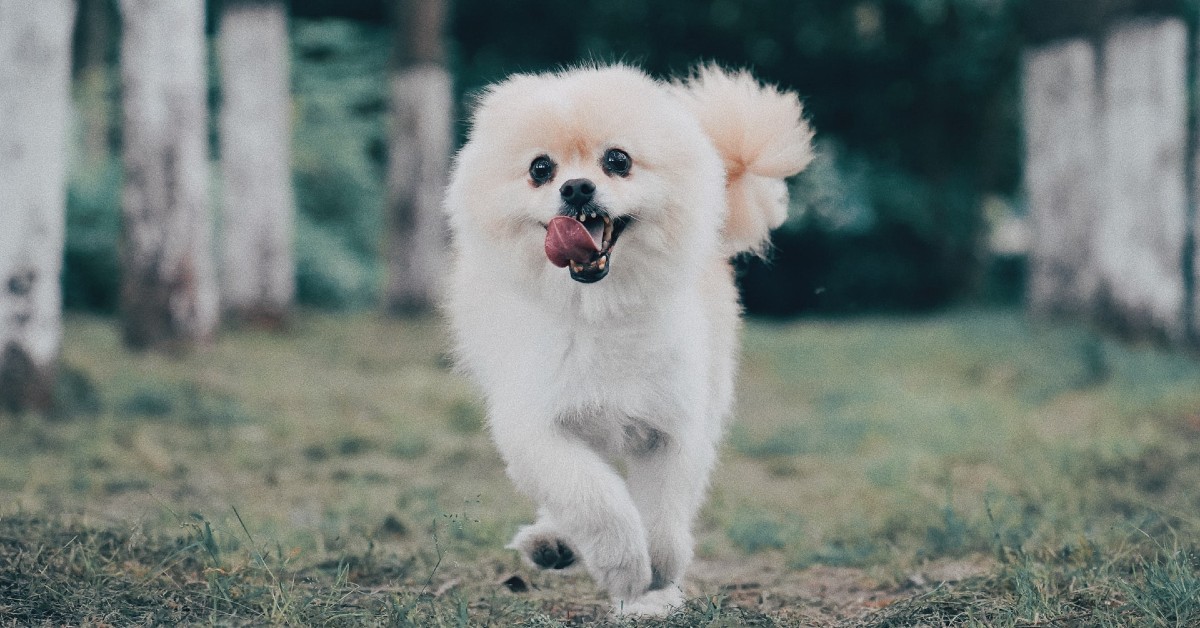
[(636, 368)]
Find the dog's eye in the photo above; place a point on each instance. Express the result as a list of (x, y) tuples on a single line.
[(617, 162), (541, 170)]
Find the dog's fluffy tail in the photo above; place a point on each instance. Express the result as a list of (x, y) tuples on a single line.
[(763, 138)]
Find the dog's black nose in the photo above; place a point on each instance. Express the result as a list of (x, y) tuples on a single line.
[(577, 192)]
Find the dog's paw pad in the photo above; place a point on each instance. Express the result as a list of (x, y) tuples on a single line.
[(552, 554)]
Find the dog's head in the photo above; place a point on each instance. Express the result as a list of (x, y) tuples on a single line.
[(583, 173)]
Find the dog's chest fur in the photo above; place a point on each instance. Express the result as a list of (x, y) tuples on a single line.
[(612, 432), (621, 385)]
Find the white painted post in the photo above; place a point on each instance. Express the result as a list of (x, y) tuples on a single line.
[(1062, 164), (258, 265), (168, 285), (35, 105), (1142, 229)]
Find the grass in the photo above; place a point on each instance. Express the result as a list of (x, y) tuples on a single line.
[(961, 469)]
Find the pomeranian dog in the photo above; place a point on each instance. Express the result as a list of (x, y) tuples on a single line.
[(594, 213)]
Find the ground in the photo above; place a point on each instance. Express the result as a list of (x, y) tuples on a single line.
[(966, 468)]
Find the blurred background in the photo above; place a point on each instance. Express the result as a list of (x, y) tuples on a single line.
[(915, 102), (987, 152)]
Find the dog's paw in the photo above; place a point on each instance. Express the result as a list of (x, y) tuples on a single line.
[(541, 548), (670, 554), (659, 603), (623, 572), (552, 554)]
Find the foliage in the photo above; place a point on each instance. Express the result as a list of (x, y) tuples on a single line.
[(340, 97), (915, 83), (864, 236), (90, 263)]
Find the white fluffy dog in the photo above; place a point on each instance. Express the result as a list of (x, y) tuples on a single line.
[(594, 214)]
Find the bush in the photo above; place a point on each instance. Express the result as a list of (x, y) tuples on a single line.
[(865, 236), (328, 272), (90, 277), (339, 82)]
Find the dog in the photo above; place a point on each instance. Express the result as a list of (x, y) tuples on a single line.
[(594, 213)]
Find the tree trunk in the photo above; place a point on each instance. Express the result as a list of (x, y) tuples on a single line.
[(258, 268), (419, 158), (168, 288), (35, 82), (1143, 227), (1062, 114)]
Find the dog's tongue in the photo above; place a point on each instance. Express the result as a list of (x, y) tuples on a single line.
[(567, 240)]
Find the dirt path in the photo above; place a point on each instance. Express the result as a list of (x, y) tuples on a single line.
[(820, 595)]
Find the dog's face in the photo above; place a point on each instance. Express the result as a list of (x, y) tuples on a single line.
[(574, 175)]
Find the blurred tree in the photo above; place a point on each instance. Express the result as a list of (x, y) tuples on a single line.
[(168, 287), (419, 144), (258, 268), (35, 79)]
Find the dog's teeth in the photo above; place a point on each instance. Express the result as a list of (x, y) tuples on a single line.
[(603, 261), (592, 215)]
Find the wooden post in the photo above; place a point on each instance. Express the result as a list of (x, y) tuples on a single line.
[(35, 105), (1062, 114), (419, 145), (168, 285), (1142, 228), (258, 268), (1107, 175)]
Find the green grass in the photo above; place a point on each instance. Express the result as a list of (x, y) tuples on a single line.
[(961, 469)]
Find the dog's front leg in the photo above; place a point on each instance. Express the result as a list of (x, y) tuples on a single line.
[(581, 495), (668, 484)]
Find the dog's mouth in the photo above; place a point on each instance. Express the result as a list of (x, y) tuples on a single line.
[(583, 242)]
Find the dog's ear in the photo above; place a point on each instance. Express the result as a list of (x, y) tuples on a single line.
[(762, 137)]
